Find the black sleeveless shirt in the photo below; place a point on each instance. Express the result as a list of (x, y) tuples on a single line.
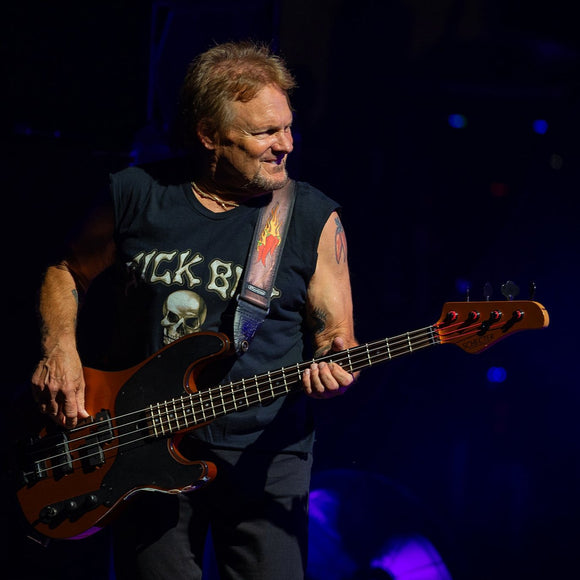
[(181, 266)]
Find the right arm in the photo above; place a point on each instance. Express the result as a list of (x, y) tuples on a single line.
[(58, 383)]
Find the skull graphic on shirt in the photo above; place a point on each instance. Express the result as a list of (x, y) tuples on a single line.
[(184, 312)]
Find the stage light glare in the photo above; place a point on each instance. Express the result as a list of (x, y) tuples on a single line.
[(413, 557), (457, 121), (540, 126), (496, 375)]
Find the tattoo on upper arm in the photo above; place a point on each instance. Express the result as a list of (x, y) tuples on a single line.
[(339, 242), (75, 295)]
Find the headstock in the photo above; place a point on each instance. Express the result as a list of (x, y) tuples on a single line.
[(475, 326)]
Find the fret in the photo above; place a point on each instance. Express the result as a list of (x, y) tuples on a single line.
[(258, 390), (176, 416), (350, 368), (369, 355), (258, 385), (191, 407), (186, 409), (222, 401), (245, 393), (182, 413), (160, 419), (157, 420), (409, 342), (283, 380), (202, 407), (299, 368), (212, 403), (234, 396), (153, 426), (206, 405), (166, 417), (163, 417), (271, 384)]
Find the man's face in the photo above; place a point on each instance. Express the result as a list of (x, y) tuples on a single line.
[(251, 155)]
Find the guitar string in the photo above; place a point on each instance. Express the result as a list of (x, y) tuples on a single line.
[(356, 357)]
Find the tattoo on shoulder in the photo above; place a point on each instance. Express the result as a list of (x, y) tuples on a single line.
[(318, 320), (339, 242)]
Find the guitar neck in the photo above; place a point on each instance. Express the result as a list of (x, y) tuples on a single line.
[(188, 411)]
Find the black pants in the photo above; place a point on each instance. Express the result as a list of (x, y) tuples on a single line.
[(256, 508)]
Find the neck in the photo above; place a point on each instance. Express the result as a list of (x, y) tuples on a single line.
[(205, 196)]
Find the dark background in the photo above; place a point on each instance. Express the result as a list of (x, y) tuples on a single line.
[(430, 210)]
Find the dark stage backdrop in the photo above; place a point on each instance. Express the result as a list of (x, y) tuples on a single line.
[(449, 133)]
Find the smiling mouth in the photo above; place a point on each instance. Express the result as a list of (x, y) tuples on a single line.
[(277, 161), (276, 166)]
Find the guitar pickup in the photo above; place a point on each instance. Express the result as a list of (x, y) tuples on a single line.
[(92, 452), (61, 462)]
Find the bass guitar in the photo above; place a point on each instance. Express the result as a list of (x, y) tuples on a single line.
[(70, 483)]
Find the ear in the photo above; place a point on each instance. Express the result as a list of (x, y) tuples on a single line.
[(206, 135)]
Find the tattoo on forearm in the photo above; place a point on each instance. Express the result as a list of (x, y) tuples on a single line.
[(339, 242), (318, 320)]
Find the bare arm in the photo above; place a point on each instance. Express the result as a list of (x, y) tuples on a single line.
[(330, 312), (58, 383)]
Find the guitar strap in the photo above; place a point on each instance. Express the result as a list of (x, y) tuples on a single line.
[(262, 266)]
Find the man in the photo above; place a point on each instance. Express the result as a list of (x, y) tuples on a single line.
[(176, 235)]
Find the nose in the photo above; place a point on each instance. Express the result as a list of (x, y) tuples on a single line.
[(284, 142)]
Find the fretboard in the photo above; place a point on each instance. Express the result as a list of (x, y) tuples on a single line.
[(190, 410)]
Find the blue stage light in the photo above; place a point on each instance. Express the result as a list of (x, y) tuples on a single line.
[(457, 121), (540, 126), (462, 286), (496, 375)]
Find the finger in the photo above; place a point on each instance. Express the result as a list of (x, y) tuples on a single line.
[(72, 407), (80, 398), (315, 386), (338, 344), (324, 384), (311, 381), (319, 373), (306, 382), (51, 407)]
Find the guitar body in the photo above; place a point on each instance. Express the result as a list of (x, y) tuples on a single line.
[(110, 460)]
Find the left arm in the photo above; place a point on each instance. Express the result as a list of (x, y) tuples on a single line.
[(330, 312)]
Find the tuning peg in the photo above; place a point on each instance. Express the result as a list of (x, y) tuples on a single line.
[(510, 290), (487, 291), (532, 290)]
